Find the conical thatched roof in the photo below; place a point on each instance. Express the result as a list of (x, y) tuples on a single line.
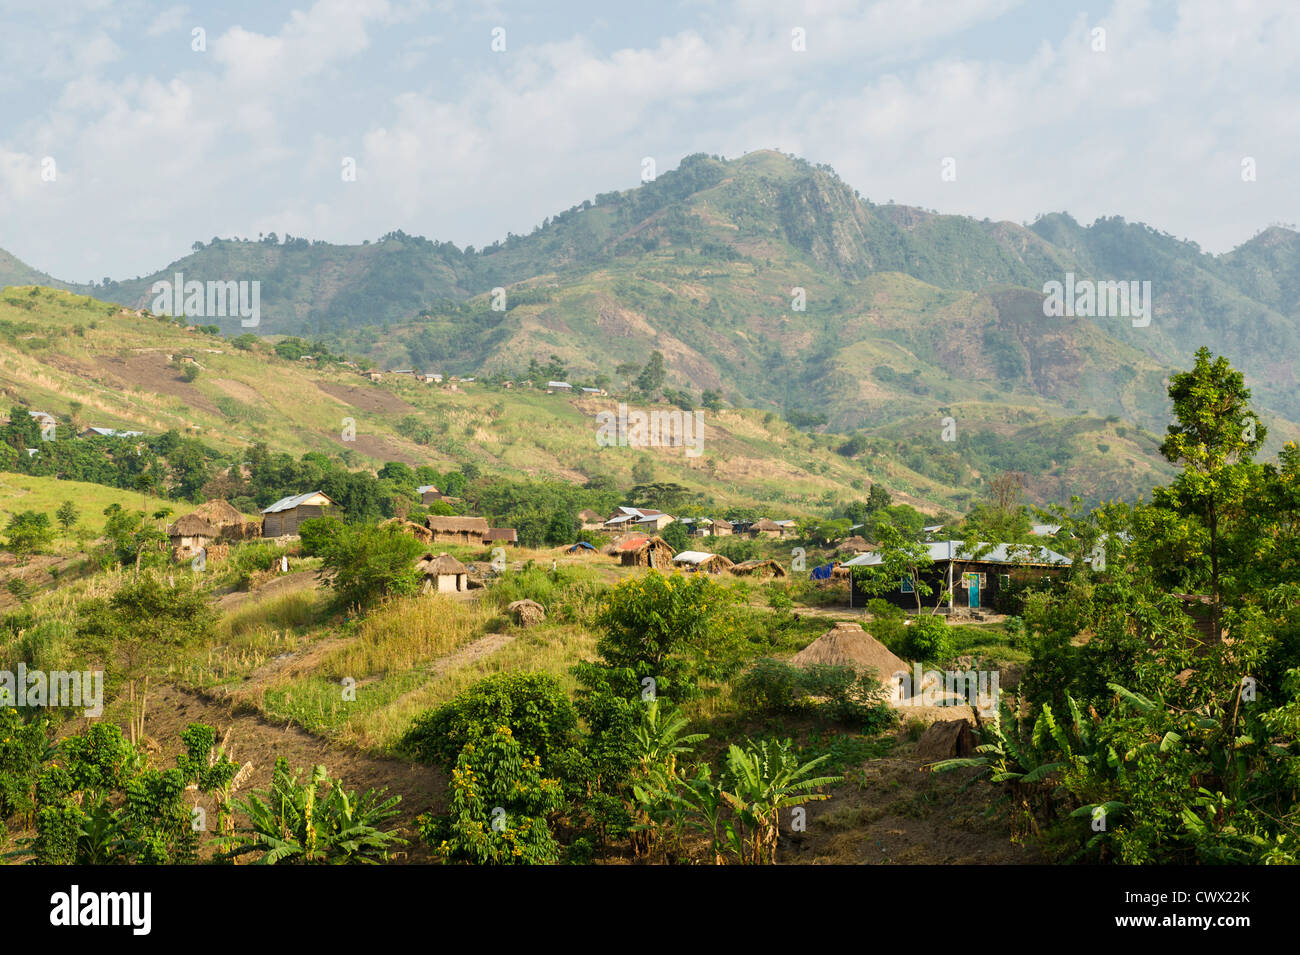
[(191, 525), (219, 513), (847, 644), (436, 565)]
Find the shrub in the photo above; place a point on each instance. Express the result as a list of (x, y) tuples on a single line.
[(22, 744), (839, 693), (653, 623), (928, 638), (368, 563), (317, 534), (533, 705), (498, 807)]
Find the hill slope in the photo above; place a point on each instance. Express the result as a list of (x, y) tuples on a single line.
[(93, 363)]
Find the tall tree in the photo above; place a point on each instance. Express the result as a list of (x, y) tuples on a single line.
[(1215, 438)]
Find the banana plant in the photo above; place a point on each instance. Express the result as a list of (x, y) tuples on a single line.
[(763, 778)]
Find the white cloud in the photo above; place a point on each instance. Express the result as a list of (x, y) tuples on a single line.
[(464, 145)]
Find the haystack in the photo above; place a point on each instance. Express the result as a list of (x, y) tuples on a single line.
[(527, 613), (847, 644)]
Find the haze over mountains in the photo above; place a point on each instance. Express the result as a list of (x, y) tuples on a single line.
[(910, 315)]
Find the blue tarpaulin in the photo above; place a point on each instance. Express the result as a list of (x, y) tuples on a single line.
[(823, 572)]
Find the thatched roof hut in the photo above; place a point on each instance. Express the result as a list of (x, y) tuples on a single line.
[(189, 535), (457, 530), (857, 544), (758, 568), (646, 552), (192, 525), (847, 644), (442, 573), (702, 562)]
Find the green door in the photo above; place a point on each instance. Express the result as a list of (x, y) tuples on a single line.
[(973, 590)]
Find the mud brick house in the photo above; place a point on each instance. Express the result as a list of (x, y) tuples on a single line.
[(971, 583), (283, 517), (640, 551), (441, 573), (501, 535)]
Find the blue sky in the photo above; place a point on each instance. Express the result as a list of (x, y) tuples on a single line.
[(155, 144)]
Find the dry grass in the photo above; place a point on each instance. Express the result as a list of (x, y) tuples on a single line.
[(407, 633), (286, 612), (542, 650)]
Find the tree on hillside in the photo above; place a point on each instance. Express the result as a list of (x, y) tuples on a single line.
[(1001, 517), (1215, 438), (652, 376), (878, 498), (67, 515), (628, 371), (28, 533)]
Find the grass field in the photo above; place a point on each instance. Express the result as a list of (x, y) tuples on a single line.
[(20, 492)]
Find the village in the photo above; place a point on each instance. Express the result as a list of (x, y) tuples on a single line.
[(971, 578)]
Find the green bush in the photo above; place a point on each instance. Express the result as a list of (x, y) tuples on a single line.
[(928, 638), (367, 563), (317, 534), (497, 813), (22, 745), (839, 693), (533, 705), (888, 624)]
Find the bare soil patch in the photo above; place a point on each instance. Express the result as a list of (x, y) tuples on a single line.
[(151, 371), (366, 399), (891, 811)]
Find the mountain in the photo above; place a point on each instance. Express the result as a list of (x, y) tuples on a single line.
[(773, 283)]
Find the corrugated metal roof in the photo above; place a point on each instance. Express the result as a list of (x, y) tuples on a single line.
[(289, 503), (999, 554)]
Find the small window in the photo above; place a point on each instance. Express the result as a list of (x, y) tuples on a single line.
[(906, 586), (1004, 580)]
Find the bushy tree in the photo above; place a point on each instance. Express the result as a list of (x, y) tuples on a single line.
[(367, 563)]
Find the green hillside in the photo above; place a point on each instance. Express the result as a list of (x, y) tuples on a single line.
[(93, 363)]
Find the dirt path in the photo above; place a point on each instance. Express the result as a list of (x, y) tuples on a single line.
[(275, 587), (172, 708)]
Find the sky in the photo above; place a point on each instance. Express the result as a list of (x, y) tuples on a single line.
[(128, 129)]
